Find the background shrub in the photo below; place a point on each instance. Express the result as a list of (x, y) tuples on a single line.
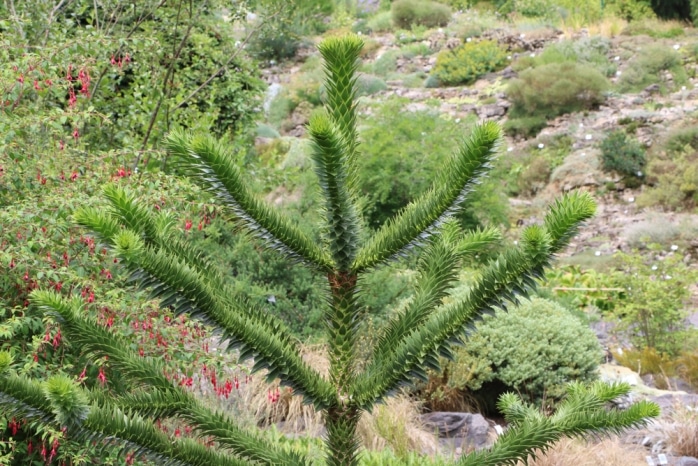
[(592, 51), (534, 349), (555, 89), (408, 13), (468, 62), (630, 10), (672, 171), (645, 68), (623, 154), (402, 150)]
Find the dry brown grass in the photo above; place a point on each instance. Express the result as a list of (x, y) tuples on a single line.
[(607, 452), (395, 424), (682, 432), (609, 26)]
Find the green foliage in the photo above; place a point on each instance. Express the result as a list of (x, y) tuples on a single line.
[(534, 8), (646, 66), (630, 10), (125, 413), (534, 349), (409, 13), (466, 63), (653, 311), (671, 171), (394, 170), (527, 126), (555, 89), (381, 22), (592, 51), (623, 154)]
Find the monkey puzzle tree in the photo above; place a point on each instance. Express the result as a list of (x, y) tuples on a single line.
[(411, 343)]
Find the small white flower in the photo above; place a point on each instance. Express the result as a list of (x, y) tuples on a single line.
[(533, 55), (654, 267), (468, 39), (509, 149), (667, 277), (358, 33), (508, 57), (677, 46), (674, 247), (597, 253), (587, 137), (541, 145), (631, 199), (617, 58), (581, 125), (522, 35), (639, 173), (584, 154), (441, 30), (683, 88), (516, 242), (617, 73), (457, 120)]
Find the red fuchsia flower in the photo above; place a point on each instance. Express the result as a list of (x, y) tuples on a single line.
[(200, 226), (112, 61), (14, 426), (21, 79), (110, 322), (12, 262), (62, 176), (72, 98), (36, 355), (43, 180), (141, 353), (130, 458), (74, 175), (84, 78), (57, 339), (101, 377), (107, 274), (187, 225), (30, 447), (91, 297), (68, 75), (48, 82), (61, 144), (26, 276), (58, 286), (177, 432), (76, 134), (36, 85)]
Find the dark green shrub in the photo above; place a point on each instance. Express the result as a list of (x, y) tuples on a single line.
[(534, 349), (468, 62), (555, 89), (623, 154), (630, 10), (403, 149), (408, 13)]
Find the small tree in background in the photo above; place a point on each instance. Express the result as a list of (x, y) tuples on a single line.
[(409, 345)]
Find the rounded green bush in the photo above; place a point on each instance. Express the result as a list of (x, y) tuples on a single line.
[(468, 62), (408, 13), (534, 349), (623, 154), (555, 89)]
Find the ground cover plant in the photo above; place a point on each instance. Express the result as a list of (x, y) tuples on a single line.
[(344, 250)]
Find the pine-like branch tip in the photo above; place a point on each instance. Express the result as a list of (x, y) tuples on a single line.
[(341, 49), (128, 244), (70, 405)]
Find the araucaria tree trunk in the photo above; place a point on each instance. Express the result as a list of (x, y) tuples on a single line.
[(412, 342)]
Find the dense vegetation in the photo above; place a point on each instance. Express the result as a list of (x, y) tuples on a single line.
[(90, 90)]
